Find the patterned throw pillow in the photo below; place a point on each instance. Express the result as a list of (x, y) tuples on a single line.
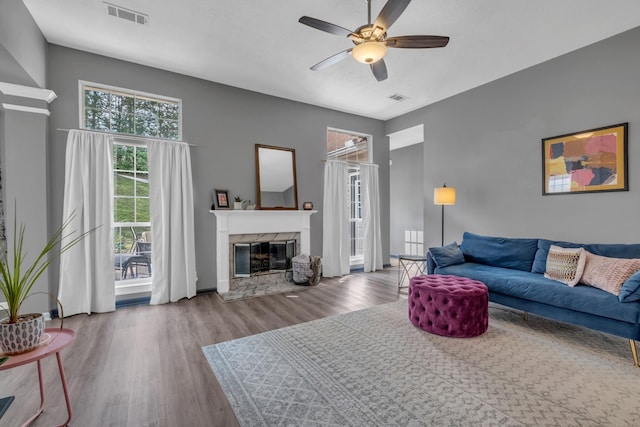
[(565, 265), (607, 273)]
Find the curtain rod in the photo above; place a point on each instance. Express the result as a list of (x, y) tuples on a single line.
[(129, 137), (349, 163)]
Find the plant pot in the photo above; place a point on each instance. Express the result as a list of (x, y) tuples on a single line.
[(20, 337), (237, 206)]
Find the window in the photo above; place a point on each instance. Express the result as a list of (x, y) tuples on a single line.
[(130, 113), (353, 148)]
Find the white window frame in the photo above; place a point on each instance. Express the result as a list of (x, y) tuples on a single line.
[(83, 83), (357, 259), (136, 286)]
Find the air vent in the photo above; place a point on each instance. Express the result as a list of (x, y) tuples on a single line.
[(398, 97), (128, 14)]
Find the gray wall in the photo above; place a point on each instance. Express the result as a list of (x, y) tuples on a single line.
[(22, 46), (406, 194), (23, 145), (225, 123), (487, 143)]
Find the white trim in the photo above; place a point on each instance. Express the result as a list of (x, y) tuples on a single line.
[(406, 137), (26, 109), (133, 288), (11, 89)]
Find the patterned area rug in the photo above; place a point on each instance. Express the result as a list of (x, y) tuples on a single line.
[(374, 368)]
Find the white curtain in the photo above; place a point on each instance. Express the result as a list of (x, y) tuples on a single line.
[(335, 220), (172, 230), (87, 280), (370, 194)]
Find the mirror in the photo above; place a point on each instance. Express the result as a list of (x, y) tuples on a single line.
[(276, 177)]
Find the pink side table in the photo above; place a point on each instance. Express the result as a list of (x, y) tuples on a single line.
[(60, 339)]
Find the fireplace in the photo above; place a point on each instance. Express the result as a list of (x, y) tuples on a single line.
[(258, 226), (262, 257)]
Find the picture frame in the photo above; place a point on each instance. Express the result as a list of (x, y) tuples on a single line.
[(589, 161), (221, 198)]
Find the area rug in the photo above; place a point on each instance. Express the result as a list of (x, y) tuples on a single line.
[(374, 368), (262, 289)]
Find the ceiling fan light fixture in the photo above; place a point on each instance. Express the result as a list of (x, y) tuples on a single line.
[(369, 52)]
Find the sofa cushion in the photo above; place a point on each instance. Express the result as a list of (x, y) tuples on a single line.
[(630, 291), (565, 265), (447, 255), (537, 288), (608, 273), (506, 252), (603, 249)]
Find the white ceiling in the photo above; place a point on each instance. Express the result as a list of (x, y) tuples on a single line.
[(260, 46)]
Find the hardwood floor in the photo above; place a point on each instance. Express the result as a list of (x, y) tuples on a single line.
[(143, 365)]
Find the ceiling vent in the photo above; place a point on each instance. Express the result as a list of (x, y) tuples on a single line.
[(398, 97), (128, 14)]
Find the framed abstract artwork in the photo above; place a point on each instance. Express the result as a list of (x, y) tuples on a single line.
[(587, 161)]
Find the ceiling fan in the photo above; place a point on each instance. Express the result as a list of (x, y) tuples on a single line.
[(371, 41)]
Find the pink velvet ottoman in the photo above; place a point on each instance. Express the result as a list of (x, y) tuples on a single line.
[(451, 306)]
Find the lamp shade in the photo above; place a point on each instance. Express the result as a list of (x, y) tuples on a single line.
[(369, 52), (444, 196)]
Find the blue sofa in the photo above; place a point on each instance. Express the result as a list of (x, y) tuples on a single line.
[(513, 270)]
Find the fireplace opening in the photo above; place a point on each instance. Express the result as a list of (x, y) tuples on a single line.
[(263, 257)]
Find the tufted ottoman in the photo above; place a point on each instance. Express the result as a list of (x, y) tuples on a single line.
[(451, 306)]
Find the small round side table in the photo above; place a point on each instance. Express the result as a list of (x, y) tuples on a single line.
[(59, 339), (410, 266)]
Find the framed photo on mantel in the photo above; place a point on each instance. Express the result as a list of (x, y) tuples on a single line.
[(588, 161), (222, 199)]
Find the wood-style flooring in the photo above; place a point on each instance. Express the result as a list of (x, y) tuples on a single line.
[(143, 365)]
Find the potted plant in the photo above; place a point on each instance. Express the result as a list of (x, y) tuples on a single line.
[(238, 203), (20, 333)]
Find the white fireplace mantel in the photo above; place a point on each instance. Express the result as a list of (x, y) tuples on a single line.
[(230, 222)]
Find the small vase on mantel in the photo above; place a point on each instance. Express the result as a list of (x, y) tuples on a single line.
[(237, 206)]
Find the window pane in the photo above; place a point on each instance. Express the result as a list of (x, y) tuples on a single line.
[(168, 129), (141, 160), (142, 185), (123, 184), (145, 105), (123, 239), (146, 124), (124, 209), (123, 156), (122, 123), (96, 119), (168, 111), (122, 103), (96, 98), (142, 209)]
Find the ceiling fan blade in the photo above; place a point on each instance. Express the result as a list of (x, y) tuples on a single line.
[(334, 59), (325, 26), (379, 70), (417, 42), (390, 12)]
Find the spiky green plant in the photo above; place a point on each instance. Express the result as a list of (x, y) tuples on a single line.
[(17, 279)]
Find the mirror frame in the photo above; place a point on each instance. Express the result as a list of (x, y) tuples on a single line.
[(295, 181)]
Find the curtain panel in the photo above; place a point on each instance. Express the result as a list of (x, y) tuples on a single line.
[(370, 194), (172, 225), (335, 220), (87, 282)]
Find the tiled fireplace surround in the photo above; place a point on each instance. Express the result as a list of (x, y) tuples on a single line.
[(234, 226)]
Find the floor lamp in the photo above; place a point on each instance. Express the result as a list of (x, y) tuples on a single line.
[(444, 196)]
